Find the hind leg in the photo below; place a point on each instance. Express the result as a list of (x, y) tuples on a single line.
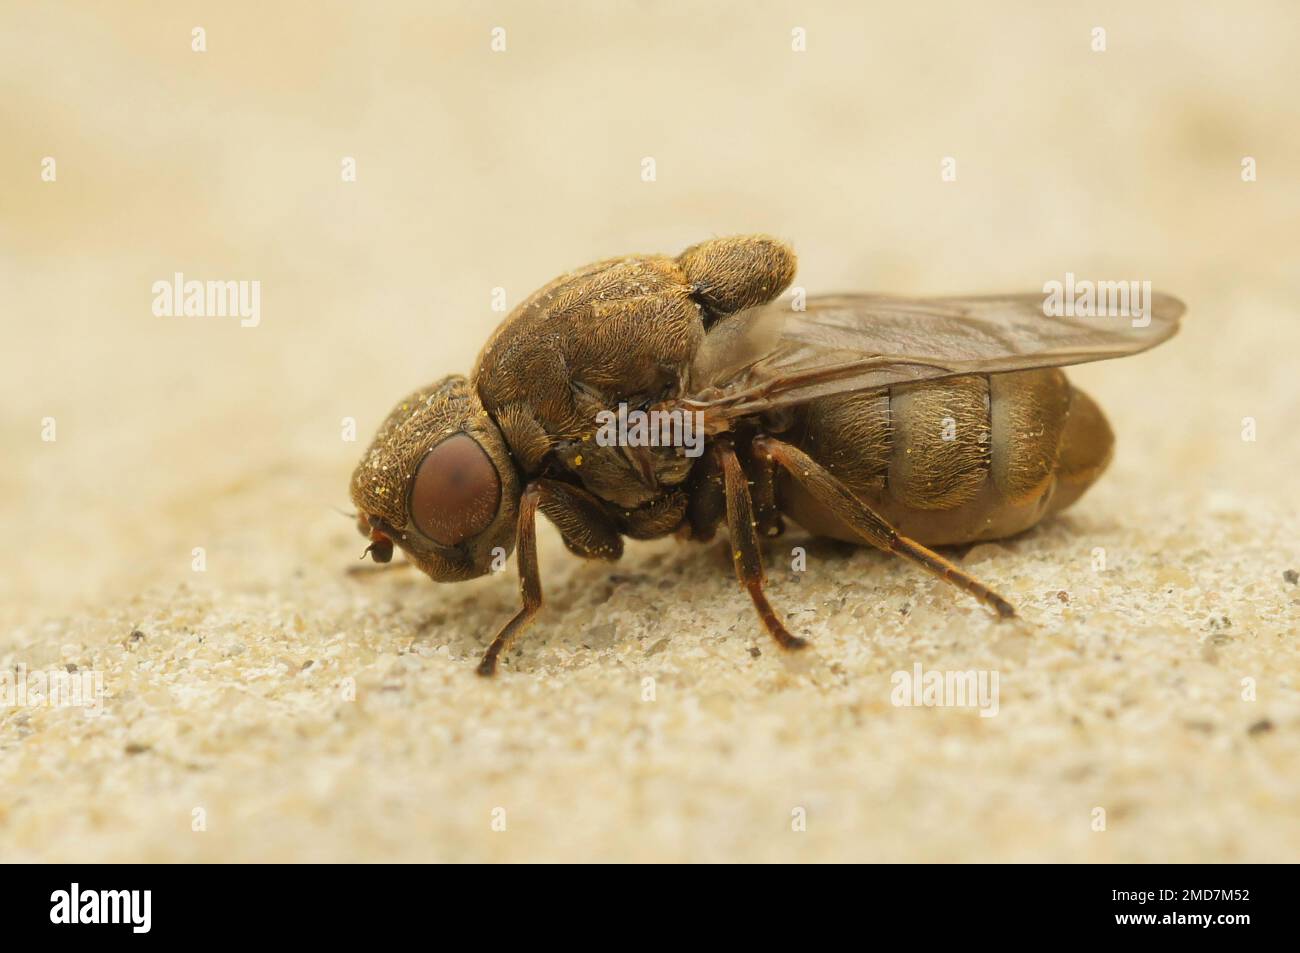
[(868, 524)]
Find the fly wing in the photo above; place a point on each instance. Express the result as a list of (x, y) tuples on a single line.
[(772, 357)]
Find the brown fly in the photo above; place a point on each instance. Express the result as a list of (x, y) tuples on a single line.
[(646, 395)]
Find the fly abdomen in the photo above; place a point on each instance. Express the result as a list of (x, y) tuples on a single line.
[(940, 455), (958, 459)]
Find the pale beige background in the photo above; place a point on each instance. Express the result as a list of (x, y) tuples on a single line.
[(479, 170)]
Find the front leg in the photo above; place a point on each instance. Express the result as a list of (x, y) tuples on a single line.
[(530, 580), (586, 531)]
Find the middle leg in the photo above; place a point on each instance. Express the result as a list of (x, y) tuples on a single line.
[(742, 528)]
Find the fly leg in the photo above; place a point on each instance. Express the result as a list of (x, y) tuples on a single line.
[(762, 470), (868, 524), (586, 531), (743, 530), (530, 581)]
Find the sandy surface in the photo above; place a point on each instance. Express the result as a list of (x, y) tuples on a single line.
[(273, 707)]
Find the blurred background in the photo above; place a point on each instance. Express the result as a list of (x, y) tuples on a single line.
[(478, 168)]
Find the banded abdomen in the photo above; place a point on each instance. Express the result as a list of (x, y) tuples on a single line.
[(954, 460)]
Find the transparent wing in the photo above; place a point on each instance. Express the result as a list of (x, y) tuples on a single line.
[(772, 357)]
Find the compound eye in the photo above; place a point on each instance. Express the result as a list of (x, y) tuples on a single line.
[(456, 492)]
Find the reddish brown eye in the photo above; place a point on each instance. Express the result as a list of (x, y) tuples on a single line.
[(456, 491)]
